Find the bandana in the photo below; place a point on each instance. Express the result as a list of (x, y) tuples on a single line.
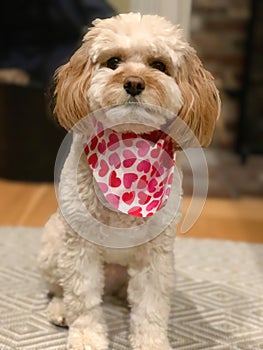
[(134, 172)]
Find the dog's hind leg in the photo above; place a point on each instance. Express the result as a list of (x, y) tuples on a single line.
[(52, 237), (51, 242)]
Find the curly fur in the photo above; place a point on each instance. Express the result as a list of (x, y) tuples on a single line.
[(72, 266)]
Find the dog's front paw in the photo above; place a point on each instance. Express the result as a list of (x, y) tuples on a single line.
[(56, 312), (87, 336), (88, 339)]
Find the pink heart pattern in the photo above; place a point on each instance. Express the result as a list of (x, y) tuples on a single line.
[(114, 160), (144, 166), (128, 179), (133, 173)]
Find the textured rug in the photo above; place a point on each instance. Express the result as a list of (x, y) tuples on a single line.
[(217, 304)]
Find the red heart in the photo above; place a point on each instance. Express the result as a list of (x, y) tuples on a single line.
[(155, 166), (144, 166), (86, 149), (113, 142), (143, 148), (142, 183), (93, 160), (130, 158), (143, 198), (102, 147), (104, 168), (135, 211), (114, 160), (114, 180), (158, 193), (94, 142), (127, 163), (113, 199), (127, 138), (152, 185), (152, 205), (128, 197), (128, 179)]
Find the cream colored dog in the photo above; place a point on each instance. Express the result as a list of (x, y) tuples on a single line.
[(127, 58)]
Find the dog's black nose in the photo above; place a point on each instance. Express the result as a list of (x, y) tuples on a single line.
[(134, 85)]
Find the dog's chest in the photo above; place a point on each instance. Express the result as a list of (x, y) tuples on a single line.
[(118, 256), (126, 257)]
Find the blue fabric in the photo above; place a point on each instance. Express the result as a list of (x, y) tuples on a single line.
[(40, 35)]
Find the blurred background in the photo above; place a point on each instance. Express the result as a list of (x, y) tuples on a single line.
[(39, 36)]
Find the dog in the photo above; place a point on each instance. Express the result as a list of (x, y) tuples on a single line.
[(129, 58)]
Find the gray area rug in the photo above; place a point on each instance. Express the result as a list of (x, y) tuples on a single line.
[(217, 304)]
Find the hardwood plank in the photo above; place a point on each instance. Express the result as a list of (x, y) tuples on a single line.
[(26, 204), (234, 219)]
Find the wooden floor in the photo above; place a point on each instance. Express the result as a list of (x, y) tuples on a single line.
[(23, 204)]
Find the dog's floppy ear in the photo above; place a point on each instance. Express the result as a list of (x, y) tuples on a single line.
[(201, 105), (72, 81)]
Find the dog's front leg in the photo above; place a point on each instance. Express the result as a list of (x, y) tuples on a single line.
[(149, 295), (83, 287)]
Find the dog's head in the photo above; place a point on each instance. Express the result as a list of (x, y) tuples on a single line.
[(134, 58)]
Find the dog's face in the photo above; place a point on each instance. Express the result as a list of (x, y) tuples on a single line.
[(134, 58), (134, 62)]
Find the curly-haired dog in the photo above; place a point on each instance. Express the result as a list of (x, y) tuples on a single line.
[(127, 58)]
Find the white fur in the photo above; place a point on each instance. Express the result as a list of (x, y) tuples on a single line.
[(70, 262)]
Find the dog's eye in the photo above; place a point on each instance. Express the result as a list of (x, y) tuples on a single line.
[(158, 65), (113, 63)]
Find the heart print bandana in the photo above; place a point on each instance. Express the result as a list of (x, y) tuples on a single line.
[(134, 172)]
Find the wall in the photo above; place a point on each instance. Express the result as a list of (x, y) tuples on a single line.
[(121, 6), (219, 33), (177, 11)]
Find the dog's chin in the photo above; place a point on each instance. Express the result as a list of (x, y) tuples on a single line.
[(137, 117), (142, 119), (137, 129)]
